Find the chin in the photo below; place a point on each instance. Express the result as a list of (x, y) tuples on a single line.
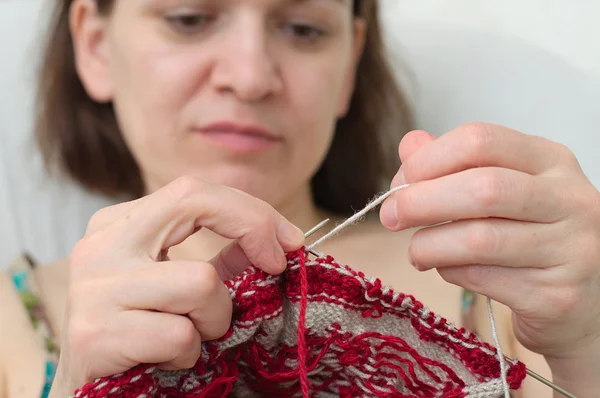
[(266, 186)]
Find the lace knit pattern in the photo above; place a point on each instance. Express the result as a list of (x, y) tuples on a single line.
[(321, 329)]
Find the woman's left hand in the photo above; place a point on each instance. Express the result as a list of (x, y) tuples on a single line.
[(525, 229)]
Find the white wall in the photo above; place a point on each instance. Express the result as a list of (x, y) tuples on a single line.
[(533, 65), (564, 28), (36, 214)]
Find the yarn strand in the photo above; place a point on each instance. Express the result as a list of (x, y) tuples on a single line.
[(302, 350), (498, 349), (356, 217), (337, 343), (372, 205)]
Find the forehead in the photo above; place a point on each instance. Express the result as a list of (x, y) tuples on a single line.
[(342, 2)]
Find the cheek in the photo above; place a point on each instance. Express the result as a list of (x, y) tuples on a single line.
[(152, 87), (313, 94), (316, 92)]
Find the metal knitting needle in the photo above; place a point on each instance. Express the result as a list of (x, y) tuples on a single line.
[(530, 372), (543, 380), (312, 231), (547, 382)]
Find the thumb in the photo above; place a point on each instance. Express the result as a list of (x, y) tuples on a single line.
[(230, 261), (412, 142)]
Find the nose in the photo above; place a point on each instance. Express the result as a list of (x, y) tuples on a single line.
[(245, 66)]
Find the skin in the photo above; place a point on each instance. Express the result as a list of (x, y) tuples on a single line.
[(525, 217)]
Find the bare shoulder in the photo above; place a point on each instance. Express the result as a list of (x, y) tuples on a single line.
[(18, 345), (21, 353), (49, 283)]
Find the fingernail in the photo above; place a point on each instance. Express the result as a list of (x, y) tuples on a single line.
[(389, 214), (398, 179), (290, 236)]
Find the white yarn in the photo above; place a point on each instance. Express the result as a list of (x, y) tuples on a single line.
[(498, 349), (370, 206), (374, 203)]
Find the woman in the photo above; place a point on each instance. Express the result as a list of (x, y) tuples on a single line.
[(236, 125)]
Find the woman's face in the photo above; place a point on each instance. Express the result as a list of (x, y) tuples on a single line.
[(244, 93)]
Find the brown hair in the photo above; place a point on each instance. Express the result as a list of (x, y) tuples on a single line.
[(83, 139)]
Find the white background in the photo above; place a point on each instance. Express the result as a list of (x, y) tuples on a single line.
[(532, 65)]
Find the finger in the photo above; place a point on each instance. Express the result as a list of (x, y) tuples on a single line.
[(412, 142), (481, 145), (170, 215), (185, 288), (108, 215), (474, 193), (230, 261), (527, 291), (155, 338), (488, 242), (508, 286)]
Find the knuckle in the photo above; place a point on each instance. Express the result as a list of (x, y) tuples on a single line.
[(566, 155), (79, 337), (87, 252), (185, 186), (480, 138), (184, 336), (95, 221), (407, 206), (589, 251), (98, 220), (222, 327), (482, 238), (205, 282), (476, 277), (83, 334), (488, 189), (83, 252), (106, 215), (594, 252), (86, 294), (586, 202), (562, 301)]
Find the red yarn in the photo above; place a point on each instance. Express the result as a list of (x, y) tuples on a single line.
[(322, 328), (302, 327)]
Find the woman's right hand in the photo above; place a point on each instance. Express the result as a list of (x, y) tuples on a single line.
[(128, 303)]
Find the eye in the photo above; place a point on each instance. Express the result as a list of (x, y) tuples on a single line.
[(188, 22), (305, 32)]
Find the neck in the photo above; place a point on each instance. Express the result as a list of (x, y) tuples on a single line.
[(298, 208)]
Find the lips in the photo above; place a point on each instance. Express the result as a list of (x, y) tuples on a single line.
[(239, 138)]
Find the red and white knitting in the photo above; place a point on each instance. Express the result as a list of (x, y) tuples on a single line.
[(321, 329)]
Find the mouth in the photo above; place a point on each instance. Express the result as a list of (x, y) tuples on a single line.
[(239, 138)]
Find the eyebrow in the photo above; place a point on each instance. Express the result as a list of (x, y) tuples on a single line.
[(332, 1), (340, 2)]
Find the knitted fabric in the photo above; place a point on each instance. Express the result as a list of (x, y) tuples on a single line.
[(321, 329)]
